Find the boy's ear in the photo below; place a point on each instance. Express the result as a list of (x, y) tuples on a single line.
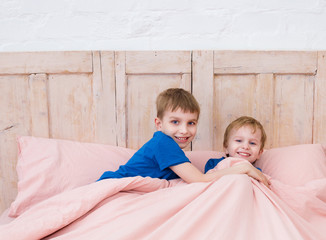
[(260, 152), (226, 151), (158, 124)]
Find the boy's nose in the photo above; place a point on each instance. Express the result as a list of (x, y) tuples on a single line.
[(183, 128), (246, 145)]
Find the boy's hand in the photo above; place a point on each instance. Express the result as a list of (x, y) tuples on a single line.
[(251, 171)]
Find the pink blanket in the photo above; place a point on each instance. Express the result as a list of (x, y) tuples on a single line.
[(234, 207)]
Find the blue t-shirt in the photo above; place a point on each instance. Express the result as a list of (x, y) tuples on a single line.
[(211, 163), (153, 159)]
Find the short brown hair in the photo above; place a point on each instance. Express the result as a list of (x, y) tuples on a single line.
[(245, 121), (174, 98)]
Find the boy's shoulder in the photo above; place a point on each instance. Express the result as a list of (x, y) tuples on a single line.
[(160, 136), (157, 139), (161, 142)]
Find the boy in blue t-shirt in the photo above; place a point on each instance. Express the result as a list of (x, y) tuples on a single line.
[(162, 156), (245, 138)]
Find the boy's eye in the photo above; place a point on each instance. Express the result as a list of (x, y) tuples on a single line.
[(192, 123), (252, 143), (238, 140), (175, 121)]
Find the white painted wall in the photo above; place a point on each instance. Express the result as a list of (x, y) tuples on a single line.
[(46, 25)]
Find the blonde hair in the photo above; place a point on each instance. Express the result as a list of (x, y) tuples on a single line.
[(245, 121), (174, 98)]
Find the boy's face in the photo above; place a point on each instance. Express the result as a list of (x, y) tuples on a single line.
[(244, 143), (180, 125)]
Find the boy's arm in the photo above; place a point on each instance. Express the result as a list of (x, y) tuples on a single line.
[(189, 173)]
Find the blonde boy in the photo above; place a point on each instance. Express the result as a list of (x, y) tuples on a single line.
[(244, 138)]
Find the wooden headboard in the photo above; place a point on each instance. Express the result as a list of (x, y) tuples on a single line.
[(109, 97)]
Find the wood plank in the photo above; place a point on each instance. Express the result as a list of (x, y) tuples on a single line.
[(161, 62), (250, 62), (45, 62), (185, 81), (15, 120), (70, 106), (39, 105), (121, 93), (104, 102), (319, 126), (293, 113), (203, 77), (263, 109)]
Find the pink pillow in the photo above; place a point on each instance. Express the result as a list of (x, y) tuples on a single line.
[(294, 165), (47, 167)]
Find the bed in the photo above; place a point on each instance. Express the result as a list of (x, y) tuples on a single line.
[(68, 116)]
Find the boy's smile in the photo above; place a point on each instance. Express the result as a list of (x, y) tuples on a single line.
[(180, 125)]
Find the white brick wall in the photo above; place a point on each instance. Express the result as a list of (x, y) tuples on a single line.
[(46, 25)]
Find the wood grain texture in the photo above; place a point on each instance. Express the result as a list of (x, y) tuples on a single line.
[(121, 93), (203, 90), (319, 127), (39, 105), (45, 62), (264, 104), (168, 62), (250, 62), (70, 106), (293, 110), (15, 119), (104, 98)]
